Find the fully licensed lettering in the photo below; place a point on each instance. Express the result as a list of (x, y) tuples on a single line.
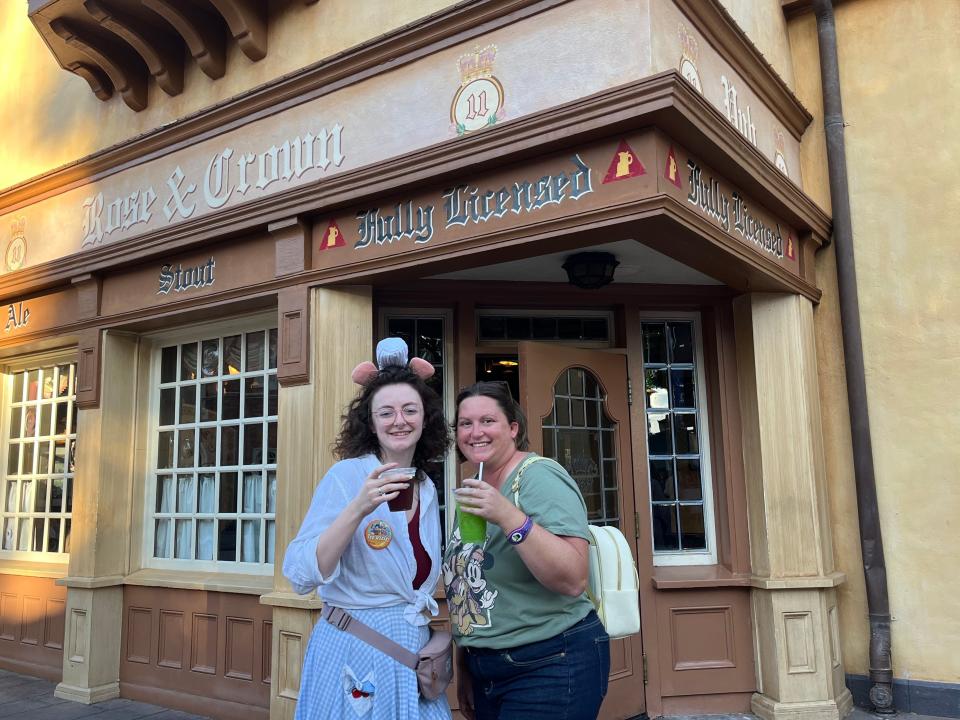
[(705, 193)]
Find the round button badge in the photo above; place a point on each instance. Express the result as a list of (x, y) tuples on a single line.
[(378, 534)]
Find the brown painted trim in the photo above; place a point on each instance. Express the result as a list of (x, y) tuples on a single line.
[(665, 100), (293, 340), (697, 576), (722, 31), (292, 238), (88, 288), (88, 368), (423, 37)]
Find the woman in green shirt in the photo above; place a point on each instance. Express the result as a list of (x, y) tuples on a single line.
[(529, 642)]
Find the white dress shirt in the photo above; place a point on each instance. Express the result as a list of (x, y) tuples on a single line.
[(365, 577)]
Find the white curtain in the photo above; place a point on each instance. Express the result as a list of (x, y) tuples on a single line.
[(161, 542), (165, 488), (186, 491), (208, 496), (249, 550), (205, 538), (183, 539)]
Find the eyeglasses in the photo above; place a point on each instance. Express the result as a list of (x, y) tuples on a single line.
[(389, 415)]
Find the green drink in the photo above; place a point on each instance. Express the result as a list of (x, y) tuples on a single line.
[(473, 528)]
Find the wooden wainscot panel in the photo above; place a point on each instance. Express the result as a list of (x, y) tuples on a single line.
[(206, 653), (705, 642), (189, 277), (293, 311), (32, 621)]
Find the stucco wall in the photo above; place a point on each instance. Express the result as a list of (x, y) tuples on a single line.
[(763, 22), (896, 59), (56, 119)]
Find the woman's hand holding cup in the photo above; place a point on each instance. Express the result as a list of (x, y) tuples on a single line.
[(378, 488)]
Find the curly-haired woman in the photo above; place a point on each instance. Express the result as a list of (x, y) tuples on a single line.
[(380, 565)]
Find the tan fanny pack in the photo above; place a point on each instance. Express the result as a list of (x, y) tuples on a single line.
[(433, 664)]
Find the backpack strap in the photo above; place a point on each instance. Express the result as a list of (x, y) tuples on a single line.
[(528, 461)]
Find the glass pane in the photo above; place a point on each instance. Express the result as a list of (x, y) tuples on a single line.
[(206, 539), (10, 497), (207, 501), (28, 452), (662, 485), (47, 383), (13, 459), (229, 445), (578, 413), (188, 404), (655, 388), (231, 355), (518, 328), (430, 340), (165, 495), (665, 528), (253, 397), (188, 362), (26, 496), (681, 342), (685, 432), (68, 483), (255, 351), (46, 414), (682, 391), (168, 400), (186, 493), (272, 351), (209, 358), (16, 415), (208, 447), (53, 535), (271, 491), (252, 492), (548, 446), (272, 396), (659, 434), (228, 493), (230, 403), (33, 384), (691, 527), (25, 534), (9, 533), (575, 376), (402, 328), (43, 459), (17, 395), (607, 438), (183, 545), (60, 456), (165, 450), (654, 343), (66, 535), (544, 328), (227, 540), (253, 444), (63, 381), (186, 455), (250, 541), (168, 364), (62, 423), (271, 539), (688, 480), (56, 495), (271, 443), (595, 329), (491, 327), (209, 392), (561, 407), (569, 328)]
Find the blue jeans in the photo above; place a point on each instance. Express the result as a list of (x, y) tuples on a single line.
[(561, 678)]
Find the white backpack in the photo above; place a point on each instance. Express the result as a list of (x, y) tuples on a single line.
[(613, 582)]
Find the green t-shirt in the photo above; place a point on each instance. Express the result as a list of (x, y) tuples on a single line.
[(495, 601)]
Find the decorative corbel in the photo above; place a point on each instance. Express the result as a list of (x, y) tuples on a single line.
[(206, 44), (293, 336), (87, 287), (88, 368), (97, 80), (156, 50), (291, 238), (129, 82), (247, 20)]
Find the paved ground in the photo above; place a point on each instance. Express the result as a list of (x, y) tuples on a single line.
[(29, 698)]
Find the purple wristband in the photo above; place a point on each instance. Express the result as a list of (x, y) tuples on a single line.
[(520, 534)]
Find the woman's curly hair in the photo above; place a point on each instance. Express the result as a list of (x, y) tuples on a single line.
[(357, 435)]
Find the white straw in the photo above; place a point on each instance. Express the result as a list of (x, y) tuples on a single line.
[(480, 472)]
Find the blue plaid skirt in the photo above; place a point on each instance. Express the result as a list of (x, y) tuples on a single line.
[(344, 678)]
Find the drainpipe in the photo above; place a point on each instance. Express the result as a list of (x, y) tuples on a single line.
[(871, 541)]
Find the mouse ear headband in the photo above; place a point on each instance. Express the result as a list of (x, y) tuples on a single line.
[(391, 351)]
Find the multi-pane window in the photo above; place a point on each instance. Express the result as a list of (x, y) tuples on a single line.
[(215, 479), (676, 438), (580, 435), (40, 437), (425, 339), (493, 327)]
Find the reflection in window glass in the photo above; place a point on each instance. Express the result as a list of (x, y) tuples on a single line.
[(38, 485), (216, 463), (673, 436)]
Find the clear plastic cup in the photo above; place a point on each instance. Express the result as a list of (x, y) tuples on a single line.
[(404, 499), (473, 528)]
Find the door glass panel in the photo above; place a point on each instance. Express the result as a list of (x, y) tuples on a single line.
[(579, 435)]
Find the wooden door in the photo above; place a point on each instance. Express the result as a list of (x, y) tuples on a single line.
[(576, 405)]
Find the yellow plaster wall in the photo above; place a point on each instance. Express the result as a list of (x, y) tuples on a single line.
[(764, 24), (49, 117), (896, 61)]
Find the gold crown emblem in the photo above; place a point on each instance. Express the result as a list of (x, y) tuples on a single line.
[(779, 142), (478, 64), (18, 228), (688, 43)]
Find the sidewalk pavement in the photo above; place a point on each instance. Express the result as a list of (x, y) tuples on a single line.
[(28, 698)]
